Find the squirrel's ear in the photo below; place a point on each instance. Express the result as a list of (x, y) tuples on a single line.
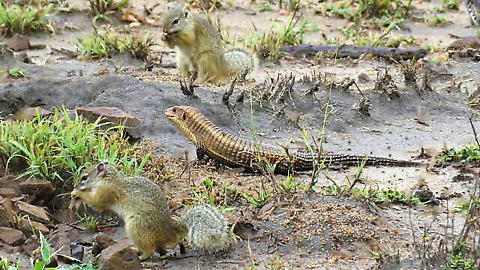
[(101, 168)]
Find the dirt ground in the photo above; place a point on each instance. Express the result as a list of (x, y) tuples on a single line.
[(294, 230)]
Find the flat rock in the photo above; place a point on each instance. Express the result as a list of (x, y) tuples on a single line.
[(65, 236), (11, 236), (32, 226), (35, 212), (37, 187), (6, 212), (109, 114), (465, 43), (10, 181), (101, 242), (119, 256), (18, 42)]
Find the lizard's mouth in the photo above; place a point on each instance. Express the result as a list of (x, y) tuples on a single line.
[(170, 114)]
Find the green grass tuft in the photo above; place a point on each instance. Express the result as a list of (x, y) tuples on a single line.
[(100, 7), (17, 73), (58, 148), (267, 45), (111, 43), (21, 19), (470, 152)]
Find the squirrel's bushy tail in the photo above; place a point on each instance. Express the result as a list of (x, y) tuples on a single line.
[(207, 228), (240, 62)]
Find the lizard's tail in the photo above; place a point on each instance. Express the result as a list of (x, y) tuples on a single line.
[(352, 160)]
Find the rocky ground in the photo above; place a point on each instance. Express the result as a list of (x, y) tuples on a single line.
[(405, 119)]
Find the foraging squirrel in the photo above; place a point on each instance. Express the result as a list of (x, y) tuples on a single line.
[(200, 50), (144, 208)]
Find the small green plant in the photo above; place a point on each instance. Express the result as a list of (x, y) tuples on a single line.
[(210, 195), (20, 19), (5, 264), (87, 266), (395, 196), (459, 259), (289, 184), (268, 44), (101, 7), (17, 73), (450, 4), (431, 47), (469, 152), (388, 10), (261, 197), (47, 256), (90, 223), (382, 196), (437, 20), (465, 206), (439, 9), (110, 43), (267, 6), (59, 147), (46, 259)]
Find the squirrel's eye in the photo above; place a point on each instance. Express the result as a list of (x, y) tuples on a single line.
[(175, 21), (84, 177)]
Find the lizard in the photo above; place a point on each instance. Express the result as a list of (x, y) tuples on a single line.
[(235, 152)]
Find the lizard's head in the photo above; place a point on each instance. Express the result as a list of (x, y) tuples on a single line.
[(184, 117)]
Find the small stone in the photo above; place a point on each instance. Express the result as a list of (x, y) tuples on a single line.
[(18, 42), (101, 242), (6, 213), (32, 226), (77, 251), (11, 236), (37, 187), (119, 256), (9, 193), (465, 43), (364, 78), (109, 114), (31, 246), (10, 181), (35, 212)]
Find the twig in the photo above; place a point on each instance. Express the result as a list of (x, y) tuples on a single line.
[(229, 92), (474, 131)]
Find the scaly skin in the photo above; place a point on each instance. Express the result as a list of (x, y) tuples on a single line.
[(237, 152)]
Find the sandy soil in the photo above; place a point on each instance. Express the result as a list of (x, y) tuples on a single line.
[(294, 229)]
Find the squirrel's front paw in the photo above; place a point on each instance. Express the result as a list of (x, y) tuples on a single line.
[(75, 195), (74, 202)]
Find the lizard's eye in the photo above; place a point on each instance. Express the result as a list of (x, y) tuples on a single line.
[(175, 21), (174, 109)]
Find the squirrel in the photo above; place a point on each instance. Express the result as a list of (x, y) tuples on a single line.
[(144, 208), (200, 50)]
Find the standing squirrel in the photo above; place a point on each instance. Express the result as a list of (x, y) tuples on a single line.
[(144, 208), (200, 50)]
